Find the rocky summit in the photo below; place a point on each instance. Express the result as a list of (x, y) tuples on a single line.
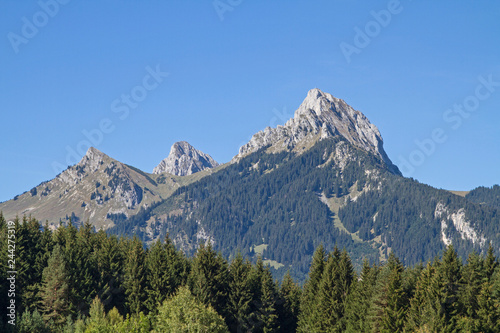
[(321, 116), (185, 160)]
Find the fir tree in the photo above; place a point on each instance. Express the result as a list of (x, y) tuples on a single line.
[(54, 292), (389, 301), (209, 279), (394, 316), (435, 305), (490, 263), (421, 313), (240, 294), (470, 286), (134, 276), (290, 293), (446, 284), (165, 272), (255, 280), (333, 291), (110, 265), (268, 314), (307, 319), (359, 299)]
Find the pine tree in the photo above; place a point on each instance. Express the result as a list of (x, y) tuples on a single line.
[(447, 283), (359, 299), (307, 319), (488, 312), (333, 291), (134, 276), (490, 263), (240, 295), (209, 279), (389, 302), (397, 302), (489, 304), (435, 305), (255, 279), (268, 314), (28, 243), (290, 293), (165, 271), (421, 313), (470, 286), (54, 292), (110, 266)]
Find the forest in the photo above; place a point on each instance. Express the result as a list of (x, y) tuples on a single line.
[(78, 280), (277, 200)]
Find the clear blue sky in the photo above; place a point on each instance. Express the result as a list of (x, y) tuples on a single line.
[(239, 67)]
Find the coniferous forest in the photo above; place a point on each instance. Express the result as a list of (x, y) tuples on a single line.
[(77, 280)]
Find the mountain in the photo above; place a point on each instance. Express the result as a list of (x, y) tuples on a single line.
[(321, 116), (321, 178), (98, 189), (185, 160)]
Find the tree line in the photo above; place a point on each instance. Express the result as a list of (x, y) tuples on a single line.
[(77, 280)]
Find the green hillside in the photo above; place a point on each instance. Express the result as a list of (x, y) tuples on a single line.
[(332, 194)]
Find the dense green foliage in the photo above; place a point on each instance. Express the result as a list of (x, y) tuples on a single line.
[(132, 289), (485, 195)]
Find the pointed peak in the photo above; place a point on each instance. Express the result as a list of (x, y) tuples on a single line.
[(321, 116), (184, 160), (93, 157), (182, 147), (315, 93), (92, 151), (93, 154)]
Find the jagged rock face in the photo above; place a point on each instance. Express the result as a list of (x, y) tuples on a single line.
[(321, 116), (90, 190), (185, 160), (114, 174)]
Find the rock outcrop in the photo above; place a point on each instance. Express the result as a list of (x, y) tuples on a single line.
[(185, 160)]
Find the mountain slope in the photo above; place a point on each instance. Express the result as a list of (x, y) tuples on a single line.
[(284, 205), (95, 189), (485, 195), (294, 187)]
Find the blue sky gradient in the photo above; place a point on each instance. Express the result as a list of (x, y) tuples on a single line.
[(71, 72)]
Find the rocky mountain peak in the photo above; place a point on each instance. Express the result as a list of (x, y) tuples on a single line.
[(93, 152), (185, 160), (318, 117)]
